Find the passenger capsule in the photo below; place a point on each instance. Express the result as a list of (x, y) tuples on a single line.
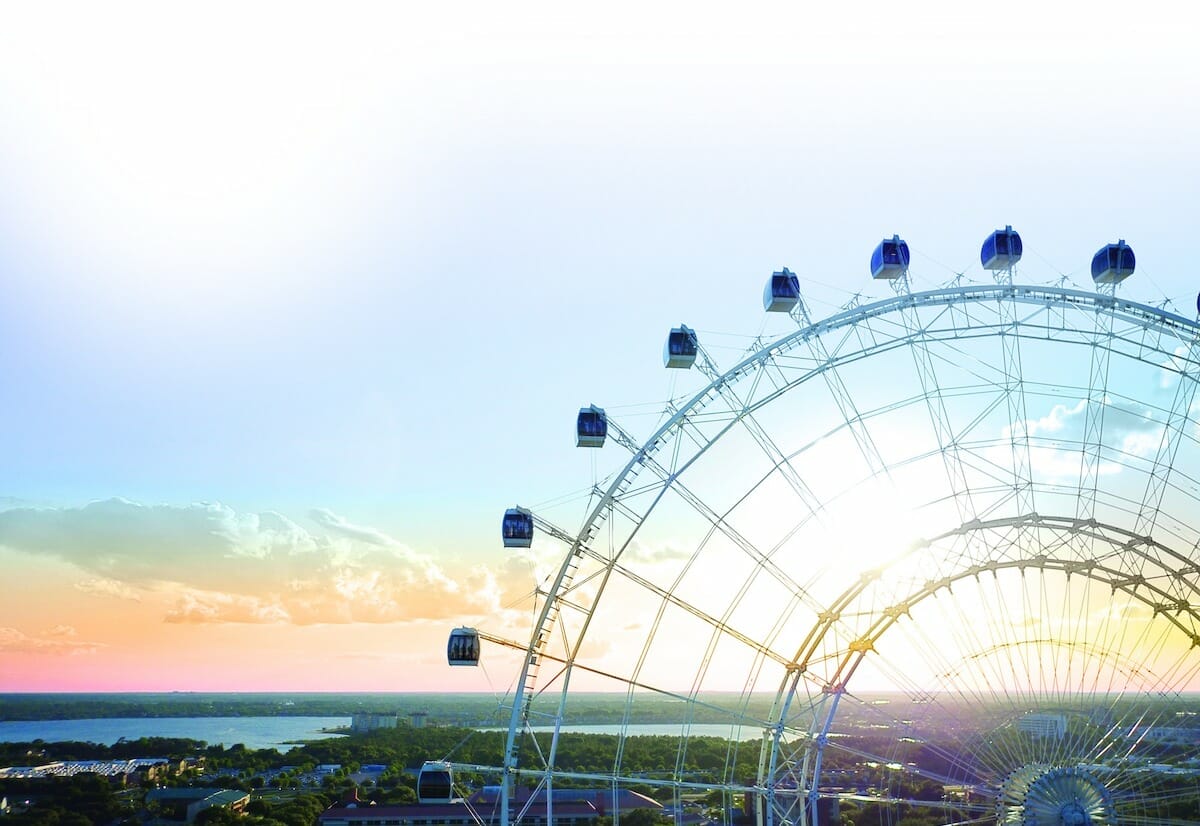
[(782, 292), (463, 647), (435, 782), (517, 528), (1001, 250), (591, 427), (1113, 263), (681, 347), (890, 259)]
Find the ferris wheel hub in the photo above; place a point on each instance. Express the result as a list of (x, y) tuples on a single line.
[(1036, 795)]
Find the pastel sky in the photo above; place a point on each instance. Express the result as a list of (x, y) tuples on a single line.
[(295, 300)]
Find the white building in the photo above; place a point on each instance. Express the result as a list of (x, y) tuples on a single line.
[(1044, 724), (369, 722)]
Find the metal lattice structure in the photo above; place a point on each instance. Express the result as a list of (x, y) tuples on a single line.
[(935, 555)]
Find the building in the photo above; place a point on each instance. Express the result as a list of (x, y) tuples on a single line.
[(138, 771), (1166, 734), (571, 807), (188, 802), (362, 721), (1044, 724)]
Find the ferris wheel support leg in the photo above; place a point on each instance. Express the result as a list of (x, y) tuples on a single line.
[(769, 763), (510, 754), (812, 817)]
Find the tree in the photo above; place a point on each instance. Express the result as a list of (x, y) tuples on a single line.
[(259, 807), (218, 816), (644, 817)]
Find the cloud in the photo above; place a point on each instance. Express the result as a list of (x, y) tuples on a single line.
[(1053, 422), (56, 641), (109, 588), (1173, 367), (337, 524), (595, 649), (350, 594), (1056, 452), (663, 552), (196, 607), (140, 544), (218, 565)]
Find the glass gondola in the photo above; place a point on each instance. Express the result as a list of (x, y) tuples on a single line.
[(890, 259), (517, 528), (1001, 250), (1113, 263), (782, 292), (435, 782), (463, 647), (591, 427), (681, 347)]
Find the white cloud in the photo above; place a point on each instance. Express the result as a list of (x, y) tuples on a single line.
[(661, 552), (108, 587), (116, 539), (1054, 421), (56, 641), (332, 522), (1056, 450), (220, 565), (206, 607), (1172, 367)]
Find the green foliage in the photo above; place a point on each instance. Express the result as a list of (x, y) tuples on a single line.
[(464, 709), (218, 816), (81, 800)]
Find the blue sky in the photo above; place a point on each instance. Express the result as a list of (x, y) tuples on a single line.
[(369, 264)]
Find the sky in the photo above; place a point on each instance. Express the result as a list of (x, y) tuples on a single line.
[(296, 300)]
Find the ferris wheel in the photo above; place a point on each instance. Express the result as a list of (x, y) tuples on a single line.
[(933, 557)]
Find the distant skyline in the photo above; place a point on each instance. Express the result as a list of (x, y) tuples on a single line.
[(293, 303)]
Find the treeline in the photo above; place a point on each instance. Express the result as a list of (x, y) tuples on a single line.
[(465, 709), (40, 751), (406, 749), (655, 756)]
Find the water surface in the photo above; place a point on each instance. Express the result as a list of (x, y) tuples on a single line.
[(253, 732)]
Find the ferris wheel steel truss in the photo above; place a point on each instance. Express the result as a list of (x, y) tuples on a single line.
[(1152, 562)]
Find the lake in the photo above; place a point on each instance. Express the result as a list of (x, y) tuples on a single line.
[(254, 732), (278, 732)]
